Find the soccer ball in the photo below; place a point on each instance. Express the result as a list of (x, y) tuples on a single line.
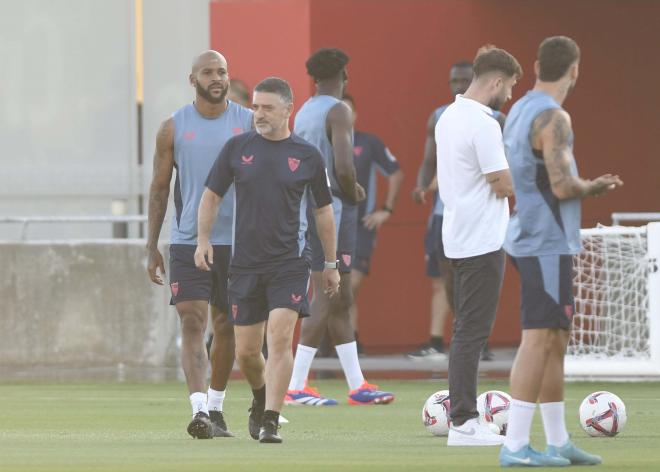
[(602, 414), (493, 407), (435, 413)]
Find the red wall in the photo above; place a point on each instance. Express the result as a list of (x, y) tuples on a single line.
[(401, 51)]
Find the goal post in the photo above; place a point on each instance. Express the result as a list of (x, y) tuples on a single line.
[(616, 326)]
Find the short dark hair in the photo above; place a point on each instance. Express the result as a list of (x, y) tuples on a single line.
[(493, 59), (555, 55), (276, 85), (326, 63)]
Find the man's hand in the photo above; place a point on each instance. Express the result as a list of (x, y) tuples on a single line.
[(603, 184), (360, 194), (376, 219), (331, 282), (203, 253), (155, 262), (419, 195)]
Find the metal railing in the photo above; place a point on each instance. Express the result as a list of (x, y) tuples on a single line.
[(118, 231), (618, 218)]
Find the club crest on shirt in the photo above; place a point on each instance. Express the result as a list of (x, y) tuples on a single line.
[(189, 135), (357, 150), (237, 131), (296, 298), (293, 164), (247, 160), (174, 286)]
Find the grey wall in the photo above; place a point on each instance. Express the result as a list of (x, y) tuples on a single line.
[(68, 121)]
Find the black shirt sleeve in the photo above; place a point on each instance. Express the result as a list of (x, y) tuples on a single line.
[(221, 175), (320, 184), (384, 159)]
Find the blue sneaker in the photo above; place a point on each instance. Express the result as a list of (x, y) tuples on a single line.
[(574, 454), (528, 457), (368, 394), (307, 396)]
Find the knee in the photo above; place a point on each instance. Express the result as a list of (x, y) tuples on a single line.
[(222, 327), (192, 322), (246, 355)]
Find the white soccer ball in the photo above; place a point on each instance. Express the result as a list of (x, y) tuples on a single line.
[(493, 407), (602, 414), (435, 413)]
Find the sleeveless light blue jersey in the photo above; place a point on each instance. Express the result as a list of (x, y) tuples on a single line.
[(310, 124), (541, 224), (197, 143)]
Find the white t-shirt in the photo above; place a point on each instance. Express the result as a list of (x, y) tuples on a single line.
[(469, 145)]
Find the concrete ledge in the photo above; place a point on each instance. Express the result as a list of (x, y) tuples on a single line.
[(83, 304)]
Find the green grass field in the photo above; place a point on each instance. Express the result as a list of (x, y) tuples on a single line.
[(141, 427)]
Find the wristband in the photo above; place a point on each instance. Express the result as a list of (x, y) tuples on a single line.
[(387, 209), (331, 265)]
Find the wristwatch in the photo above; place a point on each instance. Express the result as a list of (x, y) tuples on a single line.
[(331, 265)]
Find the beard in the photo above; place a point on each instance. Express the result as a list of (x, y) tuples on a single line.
[(205, 93), (496, 103)]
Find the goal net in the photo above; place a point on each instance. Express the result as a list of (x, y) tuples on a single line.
[(616, 326)]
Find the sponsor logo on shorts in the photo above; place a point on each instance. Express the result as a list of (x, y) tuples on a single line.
[(293, 164), (296, 298), (247, 160), (175, 288), (189, 135), (237, 131), (234, 311), (568, 311), (346, 258), (357, 150)]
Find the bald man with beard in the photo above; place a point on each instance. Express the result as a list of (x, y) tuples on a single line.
[(190, 141)]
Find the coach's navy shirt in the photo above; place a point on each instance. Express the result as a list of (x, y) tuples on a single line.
[(272, 180)]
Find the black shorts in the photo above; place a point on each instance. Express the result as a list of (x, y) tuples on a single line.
[(546, 299), (366, 242), (187, 282), (252, 296), (346, 224), (433, 248)]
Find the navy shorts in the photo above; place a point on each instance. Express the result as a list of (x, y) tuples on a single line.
[(187, 282), (546, 291), (433, 248), (252, 296), (346, 224), (366, 242)]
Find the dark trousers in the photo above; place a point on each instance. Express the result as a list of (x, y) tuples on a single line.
[(477, 285)]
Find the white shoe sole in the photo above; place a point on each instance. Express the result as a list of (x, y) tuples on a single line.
[(462, 440), (433, 357)]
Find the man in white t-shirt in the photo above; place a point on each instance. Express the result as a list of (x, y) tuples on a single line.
[(474, 183)]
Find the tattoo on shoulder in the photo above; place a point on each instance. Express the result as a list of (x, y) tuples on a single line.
[(561, 132), (542, 121)]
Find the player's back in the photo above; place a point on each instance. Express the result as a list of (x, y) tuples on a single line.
[(541, 224), (311, 125), (197, 143)]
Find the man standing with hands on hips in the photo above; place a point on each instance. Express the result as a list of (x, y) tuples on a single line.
[(272, 171), (474, 183)]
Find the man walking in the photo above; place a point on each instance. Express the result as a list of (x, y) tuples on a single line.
[(272, 170), (190, 141), (474, 183)]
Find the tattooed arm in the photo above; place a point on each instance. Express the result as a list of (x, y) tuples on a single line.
[(158, 195), (551, 133)]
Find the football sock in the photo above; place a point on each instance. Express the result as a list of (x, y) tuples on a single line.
[(198, 403), (437, 343), (260, 396), (554, 423), (521, 415), (216, 399), (348, 357), (301, 365)]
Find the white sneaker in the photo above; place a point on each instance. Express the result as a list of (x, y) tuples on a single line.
[(473, 433)]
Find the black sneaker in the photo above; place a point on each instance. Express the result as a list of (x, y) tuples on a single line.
[(268, 432), (200, 427), (220, 429), (427, 353), (254, 420)]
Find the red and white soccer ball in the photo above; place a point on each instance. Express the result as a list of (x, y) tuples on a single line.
[(435, 413), (602, 414), (493, 407)]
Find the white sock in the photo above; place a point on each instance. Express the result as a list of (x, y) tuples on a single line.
[(554, 423), (301, 365), (216, 398), (198, 402), (521, 415), (348, 357)]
